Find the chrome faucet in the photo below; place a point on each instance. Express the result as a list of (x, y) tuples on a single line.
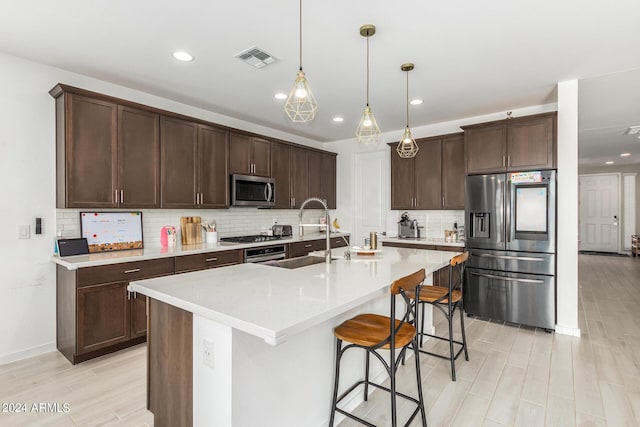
[(301, 226)]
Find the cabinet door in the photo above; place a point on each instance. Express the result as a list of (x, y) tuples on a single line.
[(485, 149), (402, 182), (328, 179), (178, 144), (138, 158), (317, 175), (281, 173), (261, 156), (453, 172), (297, 249), (213, 148), (239, 154), (428, 175), (299, 177), (531, 144), (103, 316), (138, 315), (91, 145)]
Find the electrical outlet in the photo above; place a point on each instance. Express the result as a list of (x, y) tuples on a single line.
[(24, 232), (207, 353)]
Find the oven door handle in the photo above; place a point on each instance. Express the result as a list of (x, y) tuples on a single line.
[(507, 279), (517, 258)]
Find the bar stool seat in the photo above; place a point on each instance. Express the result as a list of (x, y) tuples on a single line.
[(370, 329), (434, 293)]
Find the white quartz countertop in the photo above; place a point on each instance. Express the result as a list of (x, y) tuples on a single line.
[(273, 303), (115, 257), (440, 241)]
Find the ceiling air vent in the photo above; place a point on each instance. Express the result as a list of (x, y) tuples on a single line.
[(633, 130), (256, 57)]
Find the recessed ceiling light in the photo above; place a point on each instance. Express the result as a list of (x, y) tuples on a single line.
[(610, 162), (338, 119), (183, 56), (625, 154), (280, 95), (416, 101)]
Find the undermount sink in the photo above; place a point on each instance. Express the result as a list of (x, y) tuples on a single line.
[(298, 262)]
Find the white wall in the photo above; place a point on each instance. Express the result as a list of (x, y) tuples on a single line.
[(567, 248), (27, 150)]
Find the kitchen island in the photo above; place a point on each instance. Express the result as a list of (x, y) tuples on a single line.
[(253, 344)]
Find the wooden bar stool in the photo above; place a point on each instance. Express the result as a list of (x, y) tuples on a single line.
[(447, 299), (372, 332)]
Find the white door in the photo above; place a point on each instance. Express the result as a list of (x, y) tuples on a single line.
[(599, 212), (370, 194)]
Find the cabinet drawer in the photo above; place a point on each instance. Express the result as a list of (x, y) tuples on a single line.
[(450, 248), (408, 245), (208, 260), (338, 242), (125, 272), (303, 248)]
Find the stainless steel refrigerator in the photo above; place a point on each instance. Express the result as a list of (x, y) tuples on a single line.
[(511, 238)]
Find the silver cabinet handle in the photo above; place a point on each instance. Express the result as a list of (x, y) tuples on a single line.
[(502, 161), (443, 201), (507, 279), (518, 258), (129, 295), (121, 196), (294, 202), (509, 160), (201, 198), (307, 246), (211, 259), (133, 270), (116, 196)]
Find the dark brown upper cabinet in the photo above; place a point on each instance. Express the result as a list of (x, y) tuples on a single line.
[(302, 173), (322, 177), (138, 158), (107, 154), (281, 173), (433, 179), (299, 177), (249, 155), (521, 143), (194, 165)]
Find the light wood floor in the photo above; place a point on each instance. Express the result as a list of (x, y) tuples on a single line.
[(515, 376)]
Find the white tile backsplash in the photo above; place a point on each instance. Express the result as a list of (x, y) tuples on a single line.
[(434, 222), (229, 222)]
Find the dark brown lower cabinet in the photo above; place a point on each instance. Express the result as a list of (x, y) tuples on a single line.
[(96, 314), (440, 277), (297, 249), (103, 316), (138, 315)]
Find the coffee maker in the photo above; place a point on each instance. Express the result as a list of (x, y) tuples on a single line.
[(408, 228)]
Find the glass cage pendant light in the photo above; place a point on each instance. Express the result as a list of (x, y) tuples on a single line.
[(301, 105), (407, 147), (368, 131)]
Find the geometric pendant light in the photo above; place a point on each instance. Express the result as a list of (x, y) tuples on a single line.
[(368, 131), (301, 105), (407, 146)]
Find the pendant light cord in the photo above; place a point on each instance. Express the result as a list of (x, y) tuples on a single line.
[(300, 35), (368, 70), (407, 98)]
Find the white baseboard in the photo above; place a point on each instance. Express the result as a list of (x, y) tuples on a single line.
[(29, 352), (574, 332)]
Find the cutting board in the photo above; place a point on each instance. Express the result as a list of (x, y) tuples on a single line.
[(191, 230)]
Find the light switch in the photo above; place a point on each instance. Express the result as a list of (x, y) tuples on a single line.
[(24, 231)]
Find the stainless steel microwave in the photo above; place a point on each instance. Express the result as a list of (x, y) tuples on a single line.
[(247, 190)]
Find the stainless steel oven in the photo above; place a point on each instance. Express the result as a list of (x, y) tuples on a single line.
[(265, 253), (247, 190)]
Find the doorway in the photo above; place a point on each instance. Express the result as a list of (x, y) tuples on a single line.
[(371, 194), (599, 209)]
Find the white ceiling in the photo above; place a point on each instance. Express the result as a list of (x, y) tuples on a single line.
[(472, 57)]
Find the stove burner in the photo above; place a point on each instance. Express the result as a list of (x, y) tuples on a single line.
[(250, 239)]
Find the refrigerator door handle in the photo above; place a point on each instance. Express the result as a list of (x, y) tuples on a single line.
[(519, 258), (507, 279)]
